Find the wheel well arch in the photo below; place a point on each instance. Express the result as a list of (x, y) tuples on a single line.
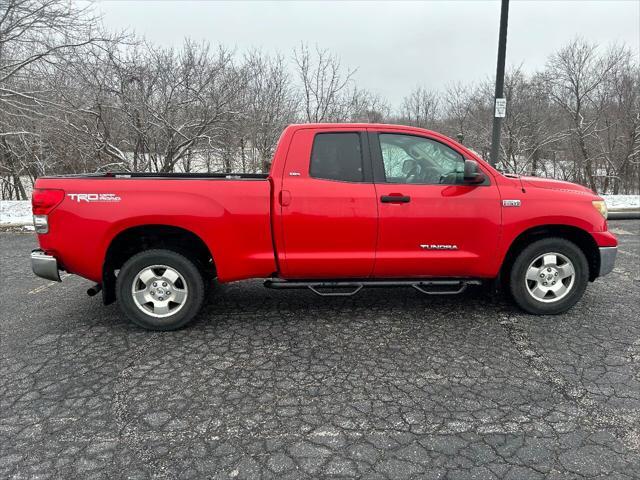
[(136, 239), (580, 237)]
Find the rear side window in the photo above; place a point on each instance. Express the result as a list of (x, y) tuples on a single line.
[(337, 156)]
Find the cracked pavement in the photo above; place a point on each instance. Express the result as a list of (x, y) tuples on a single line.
[(388, 384)]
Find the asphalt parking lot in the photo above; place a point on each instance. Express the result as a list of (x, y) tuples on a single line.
[(273, 384)]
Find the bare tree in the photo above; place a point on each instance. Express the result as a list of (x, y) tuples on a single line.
[(270, 105), (574, 75), (158, 107), (616, 140), (33, 30), (76, 99), (34, 35), (323, 84), (421, 108), (366, 107), (531, 125)]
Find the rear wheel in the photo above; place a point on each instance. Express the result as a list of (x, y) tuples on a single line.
[(160, 289), (549, 276)]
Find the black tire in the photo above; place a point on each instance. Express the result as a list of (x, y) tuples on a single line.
[(191, 281), (520, 287)]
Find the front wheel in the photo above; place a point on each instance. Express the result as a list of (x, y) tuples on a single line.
[(159, 289), (549, 276)]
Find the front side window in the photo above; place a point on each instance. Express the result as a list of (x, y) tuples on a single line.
[(337, 156), (411, 159)]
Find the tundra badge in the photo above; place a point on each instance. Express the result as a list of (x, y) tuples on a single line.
[(431, 246), (510, 203)]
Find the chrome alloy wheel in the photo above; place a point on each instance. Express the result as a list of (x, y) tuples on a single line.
[(550, 277), (159, 291)]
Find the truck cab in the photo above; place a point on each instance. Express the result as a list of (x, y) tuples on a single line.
[(385, 202)]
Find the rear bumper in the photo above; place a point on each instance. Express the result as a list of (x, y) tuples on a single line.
[(607, 259), (44, 265)]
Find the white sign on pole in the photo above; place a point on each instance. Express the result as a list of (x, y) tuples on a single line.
[(501, 108)]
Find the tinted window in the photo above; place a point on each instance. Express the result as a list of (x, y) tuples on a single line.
[(410, 159), (337, 156)]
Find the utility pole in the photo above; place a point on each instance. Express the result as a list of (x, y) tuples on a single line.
[(500, 103)]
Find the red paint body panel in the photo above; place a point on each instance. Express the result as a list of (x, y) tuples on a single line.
[(231, 217), (544, 206), (301, 227), (468, 217), (329, 227)]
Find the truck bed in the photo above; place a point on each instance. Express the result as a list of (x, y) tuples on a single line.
[(231, 213)]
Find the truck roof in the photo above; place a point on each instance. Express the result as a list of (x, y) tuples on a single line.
[(338, 126)]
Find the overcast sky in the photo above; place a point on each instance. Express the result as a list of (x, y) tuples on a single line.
[(395, 46)]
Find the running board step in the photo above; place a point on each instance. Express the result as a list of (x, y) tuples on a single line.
[(339, 288)]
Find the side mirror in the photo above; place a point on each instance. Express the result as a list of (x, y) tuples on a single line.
[(472, 174)]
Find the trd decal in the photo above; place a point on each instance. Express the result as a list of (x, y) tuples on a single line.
[(94, 197)]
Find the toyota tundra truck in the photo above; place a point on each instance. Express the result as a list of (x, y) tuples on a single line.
[(344, 207)]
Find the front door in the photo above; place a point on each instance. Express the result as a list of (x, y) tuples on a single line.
[(430, 223), (328, 205)]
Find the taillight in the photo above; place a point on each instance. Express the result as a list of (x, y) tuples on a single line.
[(43, 200), (41, 223)]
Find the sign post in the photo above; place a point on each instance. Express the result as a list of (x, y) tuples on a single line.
[(500, 102)]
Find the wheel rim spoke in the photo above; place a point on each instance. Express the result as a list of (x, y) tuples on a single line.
[(179, 296), (142, 296), (559, 289), (540, 291), (146, 276), (565, 270), (170, 275), (161, 308), (550, 259), (532, 274)]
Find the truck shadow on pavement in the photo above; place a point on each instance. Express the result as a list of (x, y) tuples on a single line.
[(251, 298)]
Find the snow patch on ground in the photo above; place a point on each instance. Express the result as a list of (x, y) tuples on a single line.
[(615, 202), (18, 212), (15, 212)]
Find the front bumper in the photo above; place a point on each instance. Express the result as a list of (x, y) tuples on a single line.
[(44, 265), (607, 259)]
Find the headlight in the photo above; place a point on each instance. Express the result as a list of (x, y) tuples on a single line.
[(601, 206)]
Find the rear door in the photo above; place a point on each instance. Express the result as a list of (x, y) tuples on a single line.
[(328, 206), (431, 224)]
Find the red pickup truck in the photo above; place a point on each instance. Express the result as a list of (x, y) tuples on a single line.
[(345, 206)]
